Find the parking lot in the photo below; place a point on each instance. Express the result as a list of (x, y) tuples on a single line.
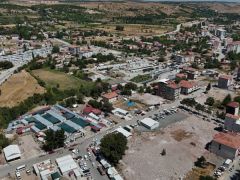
[(165, 119)]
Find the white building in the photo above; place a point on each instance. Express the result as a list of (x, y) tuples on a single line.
[(66, 164), (221, 33), (149, 123), (124, 132), (234, 47), (12, 152)]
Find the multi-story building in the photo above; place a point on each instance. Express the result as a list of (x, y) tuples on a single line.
[(221, 33), (234, 47), (232, 123), (226, 145), (232, 108), (168, 89), (224, 81), (188, 87)]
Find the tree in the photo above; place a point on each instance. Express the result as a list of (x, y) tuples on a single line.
[(201, 162), (210, 101), (141, 90), (119, 28), (107, 107), (55, 49), (208, 88), (206, 178), (200, 107), (113, 147), (227, 100), (53, 140)]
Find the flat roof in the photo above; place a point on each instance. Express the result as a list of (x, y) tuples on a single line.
[(123, 132), (66, 163), (149, 122), (43, 120)]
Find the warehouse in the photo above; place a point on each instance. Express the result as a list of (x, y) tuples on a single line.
[(12, 152), (149, 123), (66, 164), (123, 132)]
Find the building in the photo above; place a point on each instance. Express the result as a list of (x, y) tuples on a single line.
[(224, 81), (120, 112), (44, 169), (89, 109), (192, 73), (110, 97), (232, 108), (74, 50), (149, 123), (234, 47), (226, 145), (66, 164), (168, 89), (221, 33), (12, 152), (188, 87), (124, 132), (238, 74), (232, 123)]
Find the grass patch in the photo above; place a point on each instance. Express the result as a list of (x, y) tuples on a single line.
[(141, 78), (54, 78), (196, 172)]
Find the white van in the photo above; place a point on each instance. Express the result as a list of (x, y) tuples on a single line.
[(20, 168), (18, 175)]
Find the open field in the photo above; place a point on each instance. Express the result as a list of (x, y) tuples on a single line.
[(17, 88), (53, 78), (184, 142), (133, 29)]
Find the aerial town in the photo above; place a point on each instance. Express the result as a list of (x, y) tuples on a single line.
[(119, 90)]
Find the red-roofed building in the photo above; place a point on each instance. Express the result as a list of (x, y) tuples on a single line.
[(168, 90), (232, 108), (232, 123), (224, 81), (111, 96), (89, 109), (188, 87), (226, 145)]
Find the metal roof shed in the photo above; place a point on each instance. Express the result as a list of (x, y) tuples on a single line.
[(149, 123), (43, 120), (66, 164), (12, 152)]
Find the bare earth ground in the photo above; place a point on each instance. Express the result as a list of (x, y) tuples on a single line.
[(28, 146), (184, 142), (17, 88)]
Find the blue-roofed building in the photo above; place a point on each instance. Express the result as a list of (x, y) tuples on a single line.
[(80, 121), (43, 121), (56, 115), (74, 125), (67, 128), (51, 118)]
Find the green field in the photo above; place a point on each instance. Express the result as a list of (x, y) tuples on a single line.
[(54, 78), (141, 78)]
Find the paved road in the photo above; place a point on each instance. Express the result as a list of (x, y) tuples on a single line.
[(82, 144)]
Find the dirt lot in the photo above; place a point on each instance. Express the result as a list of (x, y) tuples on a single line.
[(17, 88), (184, 142), (28, 146)]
